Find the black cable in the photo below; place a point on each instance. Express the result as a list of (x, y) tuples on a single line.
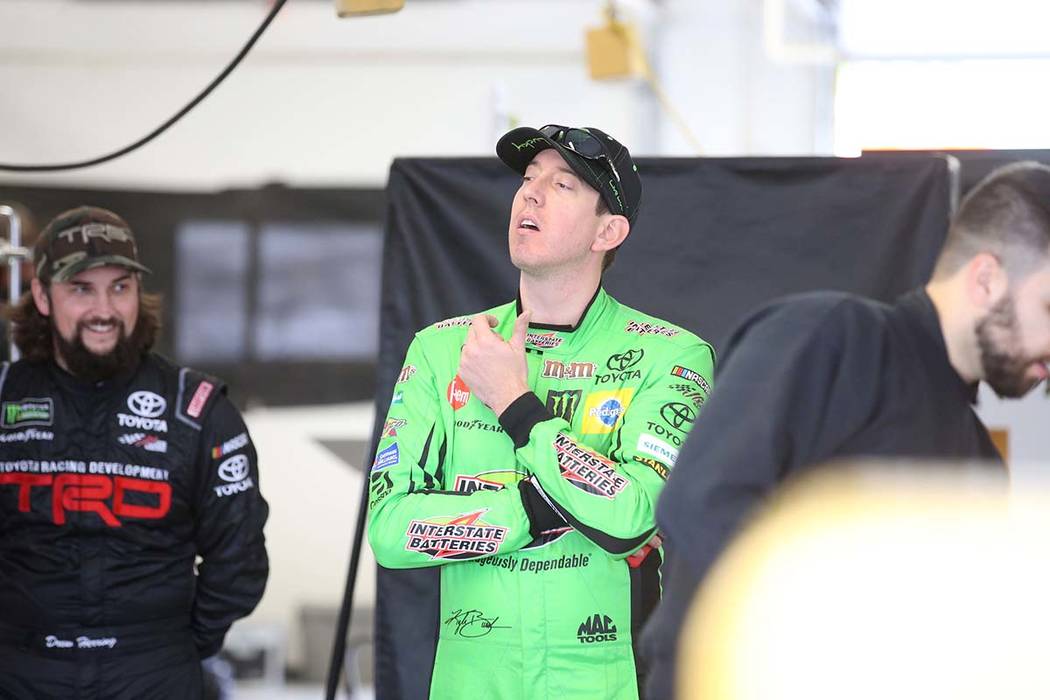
[(278, 4)]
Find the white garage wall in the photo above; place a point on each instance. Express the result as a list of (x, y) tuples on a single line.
[(313, 498), (328, 101), (1026, 421)]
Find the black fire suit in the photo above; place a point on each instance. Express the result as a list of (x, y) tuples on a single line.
[(108, 493)]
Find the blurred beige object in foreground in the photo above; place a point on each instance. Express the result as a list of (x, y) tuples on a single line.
[(879, 583), (356, 8)]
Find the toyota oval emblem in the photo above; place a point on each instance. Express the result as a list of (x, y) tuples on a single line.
[(625, 360), (677, 414), (147, 404), (234, 469)]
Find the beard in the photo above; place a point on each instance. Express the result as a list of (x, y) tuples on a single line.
[(1003, 364), (86, 364)]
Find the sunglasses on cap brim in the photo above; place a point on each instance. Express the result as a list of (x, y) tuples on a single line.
[(581, 142)]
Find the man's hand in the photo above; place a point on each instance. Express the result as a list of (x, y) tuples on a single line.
[(636, 559), (493, 368)]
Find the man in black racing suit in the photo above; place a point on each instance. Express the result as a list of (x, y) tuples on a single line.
[(117, 470)]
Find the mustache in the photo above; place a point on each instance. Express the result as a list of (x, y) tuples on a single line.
[(100, 321), (84, 363)]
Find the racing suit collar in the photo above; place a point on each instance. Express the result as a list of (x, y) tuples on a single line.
[(544, 336), (84, 386), (564, 328)]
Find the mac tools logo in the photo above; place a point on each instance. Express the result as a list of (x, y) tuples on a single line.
[(146, 408), (596, 628)]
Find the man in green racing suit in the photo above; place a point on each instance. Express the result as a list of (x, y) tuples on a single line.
[(527, 458)]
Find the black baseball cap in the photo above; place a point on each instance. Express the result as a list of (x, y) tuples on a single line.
[(83, 238), (603, 162)]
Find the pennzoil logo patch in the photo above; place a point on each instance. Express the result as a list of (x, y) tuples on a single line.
[(28, 412)]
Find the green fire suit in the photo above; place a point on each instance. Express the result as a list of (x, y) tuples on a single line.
[(540, 518)]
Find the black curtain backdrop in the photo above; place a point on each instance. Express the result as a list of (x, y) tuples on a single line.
[(975, 164), (155, 217), (714, 238)]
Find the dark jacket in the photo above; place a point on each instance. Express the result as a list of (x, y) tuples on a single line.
[(109, 491), (806, 379)]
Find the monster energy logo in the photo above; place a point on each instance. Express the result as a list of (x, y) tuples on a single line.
[(563, 404), (616, 193), (529, 144), (27, 412)]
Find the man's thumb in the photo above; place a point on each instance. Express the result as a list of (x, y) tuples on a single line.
[(521, 327)]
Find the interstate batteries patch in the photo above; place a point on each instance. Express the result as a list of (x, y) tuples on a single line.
[(587, 471), (464, 536)]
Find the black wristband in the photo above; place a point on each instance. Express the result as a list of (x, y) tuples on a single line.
[(521, 415), (541, 516)]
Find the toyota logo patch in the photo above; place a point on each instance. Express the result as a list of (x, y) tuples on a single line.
[(625, 360), (234, 469), (677, 414), (147, 404)]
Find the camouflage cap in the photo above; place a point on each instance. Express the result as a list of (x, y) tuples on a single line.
[(83, 238)]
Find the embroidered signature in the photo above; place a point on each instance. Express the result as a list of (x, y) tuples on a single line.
[(473, 623)]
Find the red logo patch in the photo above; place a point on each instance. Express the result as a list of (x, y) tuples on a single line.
[(200, 396), (94, 493), (458, 393)]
